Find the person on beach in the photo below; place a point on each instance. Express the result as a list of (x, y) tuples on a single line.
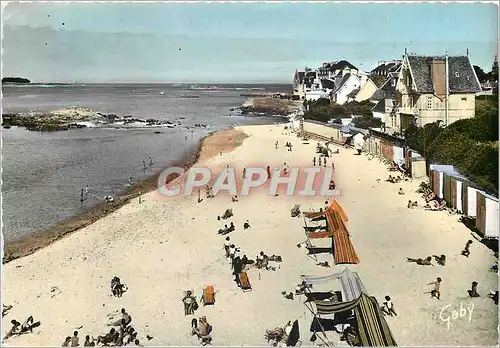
[(388, 307), (75, 340), (473, 291), (466, 251), (441, 260), (421, 262), (66, 342), (401, 192), (150, 161), (106, 339), (232, 251), (87, 342), (276, 144), (203, 329), (314, 161), (86, 189), (436, 291), (246, 225), (130, 181), (244, 173), (144, 165), (124, 316), (190, 304), (324, 162), (227, 245), (268, 169)]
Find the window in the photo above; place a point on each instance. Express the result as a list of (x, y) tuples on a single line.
[(429, 102), (464, 98), (457, 74)]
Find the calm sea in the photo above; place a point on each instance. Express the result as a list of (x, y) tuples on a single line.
[(43, 173)]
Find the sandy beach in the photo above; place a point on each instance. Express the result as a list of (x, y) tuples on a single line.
[(167, 245)]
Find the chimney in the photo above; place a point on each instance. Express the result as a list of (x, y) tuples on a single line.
[(438, 75)]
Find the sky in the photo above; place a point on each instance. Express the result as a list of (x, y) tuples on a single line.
[(231, 42)]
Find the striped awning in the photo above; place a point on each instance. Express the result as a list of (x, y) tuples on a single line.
[(351, 283), (319, 234), (372, 328), (343, 251)]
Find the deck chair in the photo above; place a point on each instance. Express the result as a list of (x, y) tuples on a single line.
[(227, 214), (295, 211), (208, 295), (244, 282)]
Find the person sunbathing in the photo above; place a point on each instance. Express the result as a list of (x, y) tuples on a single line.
[(473, 291), (106, 339), (223, 231), (246, 225), (401, 192), (466, 251), (231, 227), (441, 260), (494, 296), (388, 307), (5, 309), (234, 199), (227, 245), (19, 329), (323, 264), (421, 262)]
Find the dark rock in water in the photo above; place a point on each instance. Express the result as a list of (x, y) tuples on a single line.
[(158, 132), (15, 80), (6, 127)]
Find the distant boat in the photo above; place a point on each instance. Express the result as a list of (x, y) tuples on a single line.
[(162, 93)]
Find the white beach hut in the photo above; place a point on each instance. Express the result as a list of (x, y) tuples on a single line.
[(487, 214)]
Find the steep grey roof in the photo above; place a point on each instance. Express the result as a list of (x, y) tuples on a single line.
[(380, 106), (341, 83), (378, 95), (389, 67), (326, 83), (461, 75), (353, 93), (389, 85), (341, 64), (301, 76)]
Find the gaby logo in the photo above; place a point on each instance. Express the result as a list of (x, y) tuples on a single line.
[(310, 181)]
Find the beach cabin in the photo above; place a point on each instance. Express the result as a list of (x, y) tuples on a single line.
[(487, 215)]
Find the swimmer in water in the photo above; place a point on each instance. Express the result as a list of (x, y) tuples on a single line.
[(130, 181)]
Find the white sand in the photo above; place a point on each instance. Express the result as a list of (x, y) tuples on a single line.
[(167, 245)]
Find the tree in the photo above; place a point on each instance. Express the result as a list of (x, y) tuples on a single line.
[(368, 122), (481, 75)]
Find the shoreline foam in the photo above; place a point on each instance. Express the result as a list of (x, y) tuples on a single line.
[(29, 244)]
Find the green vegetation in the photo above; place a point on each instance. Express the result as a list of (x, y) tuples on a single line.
[(471, 145), (322, 110)]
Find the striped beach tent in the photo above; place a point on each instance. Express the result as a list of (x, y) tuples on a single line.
[(351, 283), (373, 330)]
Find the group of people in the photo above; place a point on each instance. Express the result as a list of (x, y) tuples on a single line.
[(121, 334), (441, 260), (394, 179), (19, 329)]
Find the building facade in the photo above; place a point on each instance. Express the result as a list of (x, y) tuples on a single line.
[(431, 89)]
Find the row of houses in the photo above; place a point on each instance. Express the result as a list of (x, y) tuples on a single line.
[(414, 90)]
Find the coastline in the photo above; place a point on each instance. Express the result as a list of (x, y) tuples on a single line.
[(208, 147)]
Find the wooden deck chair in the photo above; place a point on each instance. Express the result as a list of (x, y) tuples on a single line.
[(227, 214), (244, 282), (208, 295), (295, 211)]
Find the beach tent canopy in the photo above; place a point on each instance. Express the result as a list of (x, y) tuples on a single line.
[(334, 205), (343, 250), (372, 328), (351, 283)]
